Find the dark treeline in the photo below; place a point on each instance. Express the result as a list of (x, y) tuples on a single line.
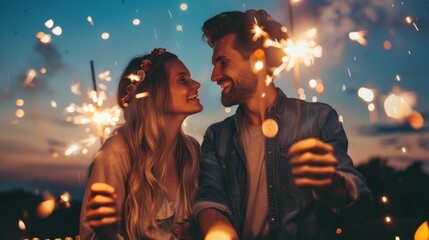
[(407, 193), (407, 190)]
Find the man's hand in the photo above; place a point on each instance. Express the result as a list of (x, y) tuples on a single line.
[(314, 166), (103, 212), (215, 226), (313, 163)]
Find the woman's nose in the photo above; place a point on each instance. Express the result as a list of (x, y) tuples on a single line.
[(195, 84)]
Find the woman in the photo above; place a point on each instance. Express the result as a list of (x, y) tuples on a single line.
[(143, 178)]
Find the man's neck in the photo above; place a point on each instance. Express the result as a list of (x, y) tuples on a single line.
[(255, 109)]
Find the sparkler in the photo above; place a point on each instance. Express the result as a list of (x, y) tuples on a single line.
[(92, 113), (31, 75), (302, 50)]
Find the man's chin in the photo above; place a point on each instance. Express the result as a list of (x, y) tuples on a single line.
[(227, 102)]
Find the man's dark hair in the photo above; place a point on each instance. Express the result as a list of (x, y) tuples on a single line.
[(241, 24)]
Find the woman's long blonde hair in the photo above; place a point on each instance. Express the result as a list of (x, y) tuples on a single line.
[(144, 133)]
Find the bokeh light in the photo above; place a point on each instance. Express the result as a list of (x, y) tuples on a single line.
[(49, 23), (183, 6), (136, 21), (105, 35), (57, 30)]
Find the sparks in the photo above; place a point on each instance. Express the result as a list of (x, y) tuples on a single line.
[(93, 113), (89, 19), (358, 37), (31, 75), (366, 94)]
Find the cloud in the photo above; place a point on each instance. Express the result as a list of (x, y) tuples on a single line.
[(424, 143), (389, 141), (335, 19), (47, 56), (402, 162), (16, 146), (386, 129), (56, 143)]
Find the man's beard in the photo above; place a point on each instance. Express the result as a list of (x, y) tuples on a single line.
[(241, 89)]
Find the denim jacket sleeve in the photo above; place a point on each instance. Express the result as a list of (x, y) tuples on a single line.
[(211, 192), (358, 209)]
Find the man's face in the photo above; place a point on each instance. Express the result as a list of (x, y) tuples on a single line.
[(232, 73)]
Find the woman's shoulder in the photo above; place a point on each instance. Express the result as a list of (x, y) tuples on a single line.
[(113, 151), (114, 143), (194, 141)]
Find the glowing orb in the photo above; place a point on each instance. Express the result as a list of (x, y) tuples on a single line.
[(21, 225), (19, 102), (312, 83), (259, 65), (19, 113), (415, 119), (387, 45), (270, 128), (46, 208), (422, 233)]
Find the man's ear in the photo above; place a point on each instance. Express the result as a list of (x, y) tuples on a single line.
[(257, 63)]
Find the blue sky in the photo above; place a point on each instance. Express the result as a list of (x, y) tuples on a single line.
[(27, 143)]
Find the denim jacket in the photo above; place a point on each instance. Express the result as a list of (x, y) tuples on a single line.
[(293, 213)]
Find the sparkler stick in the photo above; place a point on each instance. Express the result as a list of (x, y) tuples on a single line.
[(94, 85), (296, 66), (100, 129)]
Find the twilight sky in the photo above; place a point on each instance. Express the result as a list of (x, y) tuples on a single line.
[(33, 146)]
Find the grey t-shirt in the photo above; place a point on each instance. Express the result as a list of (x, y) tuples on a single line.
[(255, 223)]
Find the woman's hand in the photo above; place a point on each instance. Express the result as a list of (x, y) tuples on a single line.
[(186, 230), (103, 212)]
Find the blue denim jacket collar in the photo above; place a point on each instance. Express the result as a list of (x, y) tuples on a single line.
[(274, 111)]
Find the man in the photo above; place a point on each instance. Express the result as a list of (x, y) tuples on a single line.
[(296, 184)]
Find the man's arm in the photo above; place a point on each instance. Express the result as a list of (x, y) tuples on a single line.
[(211, 205), (324, 166), (215, 225)]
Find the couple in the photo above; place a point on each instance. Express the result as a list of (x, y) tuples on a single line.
[(143, 183)]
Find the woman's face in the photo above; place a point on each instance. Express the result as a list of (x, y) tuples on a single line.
[(184, 98)]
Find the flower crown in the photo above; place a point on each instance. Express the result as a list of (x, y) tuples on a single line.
[(138, 78)]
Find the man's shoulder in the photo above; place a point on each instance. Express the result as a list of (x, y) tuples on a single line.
[(293, 104), (226, 122)]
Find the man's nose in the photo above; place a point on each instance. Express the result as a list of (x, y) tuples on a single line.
[(216, 74)]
